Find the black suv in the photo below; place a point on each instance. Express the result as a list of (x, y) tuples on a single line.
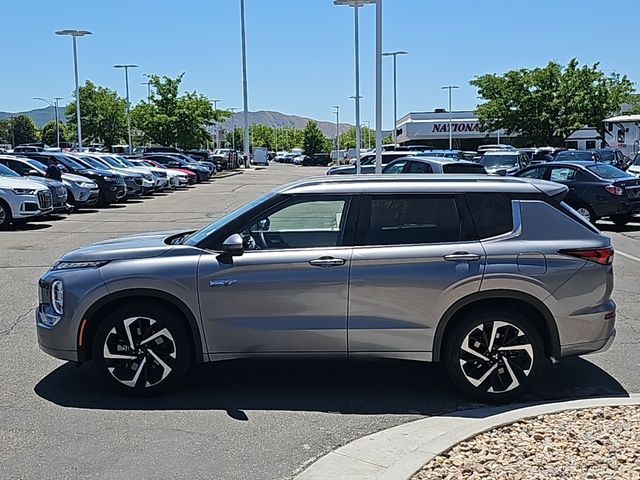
[(111, 185)]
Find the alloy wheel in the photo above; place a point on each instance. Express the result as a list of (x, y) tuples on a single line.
[(3, 215), (496, 357), (584, 212), (138, 352)]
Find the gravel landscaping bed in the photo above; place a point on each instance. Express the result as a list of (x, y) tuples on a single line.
[(595, 443)]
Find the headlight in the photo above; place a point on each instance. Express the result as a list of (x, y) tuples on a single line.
[(148, 176), (109, 179), (57, 296), (70, 265), (85, 184), (24, 191)]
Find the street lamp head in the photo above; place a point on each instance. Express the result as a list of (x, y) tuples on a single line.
[(74, 33), (393, 54), (126, 65), (353, 3), (449, 86)]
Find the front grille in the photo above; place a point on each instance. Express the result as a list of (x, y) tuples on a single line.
[(44, 199), (138, 181)]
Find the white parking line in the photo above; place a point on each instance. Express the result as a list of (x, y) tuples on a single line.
[(626, 255)]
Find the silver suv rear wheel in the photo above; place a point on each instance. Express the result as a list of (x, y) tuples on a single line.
[(494, 355)]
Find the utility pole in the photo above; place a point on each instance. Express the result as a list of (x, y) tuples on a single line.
[(450, 88)]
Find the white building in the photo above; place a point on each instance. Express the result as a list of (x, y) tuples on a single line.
[(432, 128)]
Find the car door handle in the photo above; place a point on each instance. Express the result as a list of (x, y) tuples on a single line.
[(327, 262), (462, 257)]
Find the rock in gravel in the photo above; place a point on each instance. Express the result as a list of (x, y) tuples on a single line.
[(595, 443)]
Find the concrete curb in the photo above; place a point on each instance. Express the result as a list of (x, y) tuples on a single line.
[(399, 452)]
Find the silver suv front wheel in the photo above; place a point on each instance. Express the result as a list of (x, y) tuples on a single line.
[(142, 349), (494, 355)]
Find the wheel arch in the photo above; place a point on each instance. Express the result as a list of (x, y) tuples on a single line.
[(534, 309), (91, 318)]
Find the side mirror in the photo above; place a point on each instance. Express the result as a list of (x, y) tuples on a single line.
[(34, 173), (233, 246)]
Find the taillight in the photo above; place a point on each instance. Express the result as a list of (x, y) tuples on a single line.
[(613, 190), (603, 256)]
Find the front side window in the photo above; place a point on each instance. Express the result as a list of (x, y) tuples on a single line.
[(396, 167), (419, 167), (403, 220), (533, 173), (298, 224)]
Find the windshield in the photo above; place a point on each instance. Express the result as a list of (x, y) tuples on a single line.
[(607, 155), (72, 163), (7, 172), (126, 162), (92, 162), (37, 165), (607, 171), (574, 156), (492, 161), (111, 161), (203, 233), (636, 161)]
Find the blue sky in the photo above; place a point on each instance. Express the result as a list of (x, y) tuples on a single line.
[(300, 52)]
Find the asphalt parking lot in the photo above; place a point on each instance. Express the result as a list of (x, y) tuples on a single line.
[(233, 420)]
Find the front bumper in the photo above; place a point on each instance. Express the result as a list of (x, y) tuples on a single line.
[(114, 192), (87, 197)]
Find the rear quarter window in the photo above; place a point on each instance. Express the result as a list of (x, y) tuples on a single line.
[(491, 212)]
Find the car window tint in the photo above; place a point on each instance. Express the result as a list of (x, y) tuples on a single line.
[(459, 167), (413, 220), (396, 167), (533, 173), (563, 174), (302, 224), (491, 212), (419, 167), (607, 171)]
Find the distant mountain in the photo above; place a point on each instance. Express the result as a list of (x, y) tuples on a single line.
[(40, 116), (277, 119)]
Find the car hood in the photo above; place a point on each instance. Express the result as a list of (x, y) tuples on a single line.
[(20, 182), (146, 245), (75, 178)]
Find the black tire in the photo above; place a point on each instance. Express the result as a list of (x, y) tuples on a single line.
[(621, 220), (587, 212), (161, 362), (5, 215), (486, 375)]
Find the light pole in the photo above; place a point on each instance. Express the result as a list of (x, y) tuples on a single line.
[(148, 84), (74, 34), (53, 103), (368, 124), (450, 88), (126, 68), (215, 109), (337, 114), (356, 4), (245, 94), (233, 128), (378, 86), (395, 88)]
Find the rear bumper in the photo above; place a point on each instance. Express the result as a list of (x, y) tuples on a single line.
[(597, 346)]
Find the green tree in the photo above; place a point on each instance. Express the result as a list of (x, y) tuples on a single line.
[(348, 138), (238, 134), (388, 140), (544, 105), (313, 140), (23, 130), (5, 131), (48, 134), (168, 118), (262, 136), (103, 113)]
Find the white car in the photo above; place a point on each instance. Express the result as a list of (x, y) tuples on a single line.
[(175, 177), (22, 199)]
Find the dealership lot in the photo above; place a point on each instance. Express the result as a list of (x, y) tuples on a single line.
[(236, 419)]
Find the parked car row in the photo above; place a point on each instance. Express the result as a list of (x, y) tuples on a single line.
[(88, 179)]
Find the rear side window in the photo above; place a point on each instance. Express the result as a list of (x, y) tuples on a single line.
[(491, 213), (419, 167), (470, 168), (402, 220)]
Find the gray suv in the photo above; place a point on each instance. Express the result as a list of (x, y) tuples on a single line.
[(490, 276)]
